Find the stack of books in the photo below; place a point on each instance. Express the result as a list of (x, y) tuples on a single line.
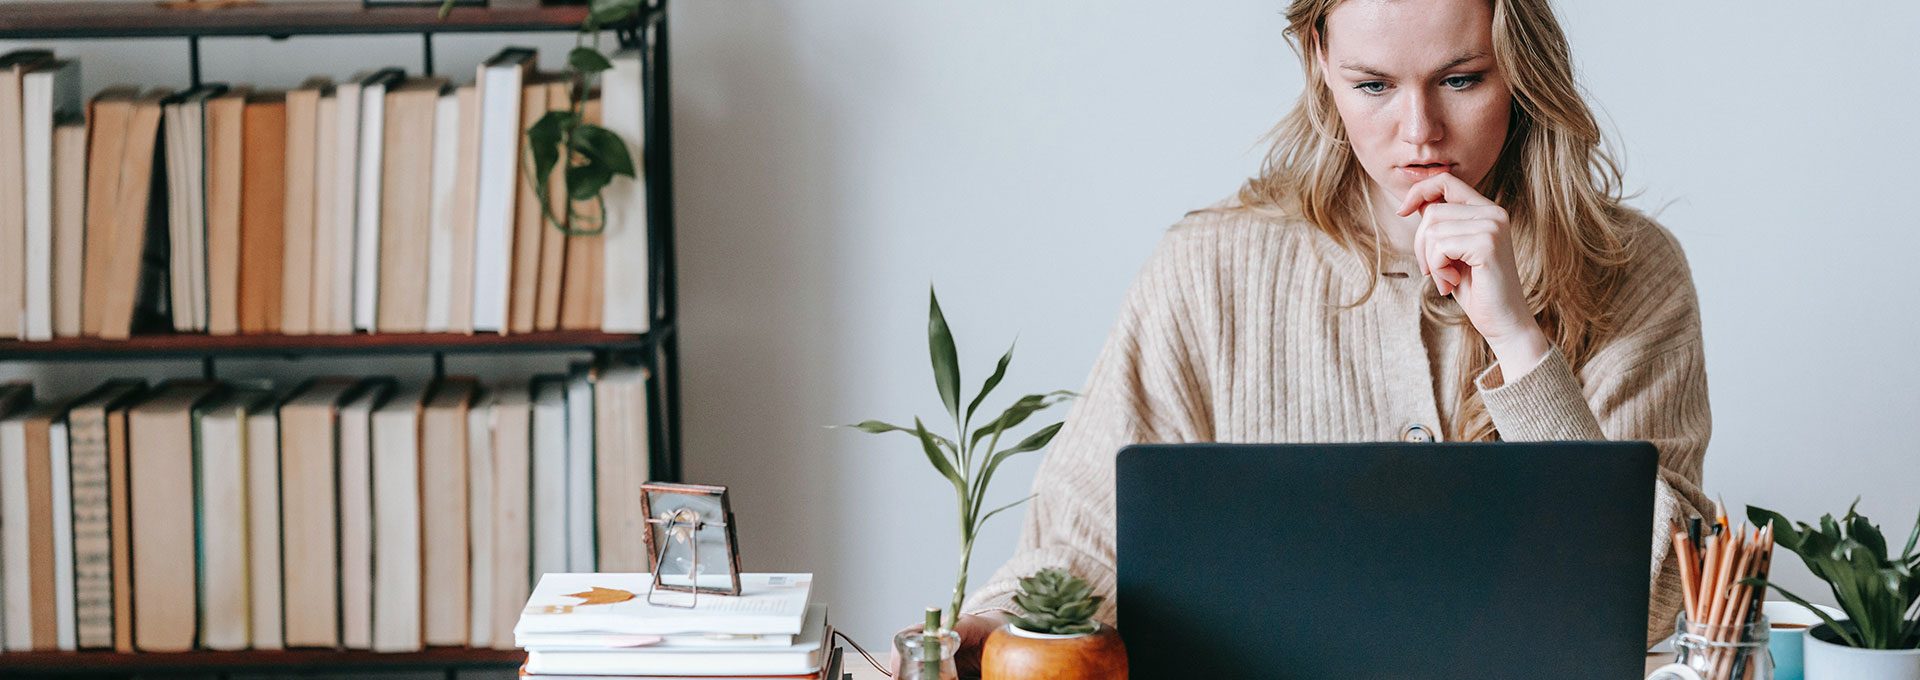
[(603, 625)]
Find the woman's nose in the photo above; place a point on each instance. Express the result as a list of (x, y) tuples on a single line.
[(1420, 122)]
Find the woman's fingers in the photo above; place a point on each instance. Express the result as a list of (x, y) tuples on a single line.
[(1443, 187), (1453, 250)]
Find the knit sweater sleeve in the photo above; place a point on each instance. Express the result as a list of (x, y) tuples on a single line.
[(1145, 387), (1647, 383)]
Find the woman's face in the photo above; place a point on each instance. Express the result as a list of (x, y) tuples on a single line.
[(1416, 86)]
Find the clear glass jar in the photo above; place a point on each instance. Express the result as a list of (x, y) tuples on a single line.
[(1712, 652), (925, 656)]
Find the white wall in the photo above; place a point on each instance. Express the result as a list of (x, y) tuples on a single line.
[(834, 158)]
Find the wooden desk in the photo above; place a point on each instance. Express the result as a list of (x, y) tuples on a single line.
[(861, 671)]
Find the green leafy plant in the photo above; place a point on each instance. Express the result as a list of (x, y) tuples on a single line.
[(1879, 593), (960, 459), (1056, 603), (594, 155)]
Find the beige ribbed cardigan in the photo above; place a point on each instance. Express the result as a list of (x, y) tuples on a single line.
[(1234, 332)]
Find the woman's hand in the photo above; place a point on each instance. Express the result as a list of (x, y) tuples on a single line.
[(1464, 245), (973, 630)]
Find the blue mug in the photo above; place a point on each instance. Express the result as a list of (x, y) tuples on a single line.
[(1787, 643)]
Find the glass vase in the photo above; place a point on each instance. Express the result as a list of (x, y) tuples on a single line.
[(926, 656), (1715, 652)]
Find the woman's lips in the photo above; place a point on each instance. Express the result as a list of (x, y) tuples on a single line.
[(1420, 172)]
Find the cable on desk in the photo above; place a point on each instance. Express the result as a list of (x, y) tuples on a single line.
[(863, 652)]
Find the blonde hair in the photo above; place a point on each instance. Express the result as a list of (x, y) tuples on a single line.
[(1558, 184)]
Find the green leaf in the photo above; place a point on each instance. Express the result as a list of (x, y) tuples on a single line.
[(1034, 442), (946, 359), (585, 181), (1835, 625), (587, 60), (1018, 413), (1912, 540), (877, 427), (600, 144), (998, 510), (543, 142), (993, 381), (606, 12), (938, 459), (1783, 532)]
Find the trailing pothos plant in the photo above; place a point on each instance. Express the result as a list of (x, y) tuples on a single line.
[(960, 459), (594, 155)]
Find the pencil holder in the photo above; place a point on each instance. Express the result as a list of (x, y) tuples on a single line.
[(1717, 652)]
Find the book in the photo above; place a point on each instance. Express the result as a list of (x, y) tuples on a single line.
[(443, 511), (13, 201), (627, 305), (226, 171), (120, 517), (61, 463), (107, 118), (834, 670), (553, 240), (581, 304), (184, 123), (309, 452), (529, 222), (499, 82), (263, 525), (464, 212), (224, 545), (27, 528), (581, 553), (807, 654), (549, 456), (69, 223), (263, 213), (302, 185), (480, 513), (397, 595), (439, 269), (367, 206), (356, 514), (161, 468), (405, 224), (49, 91), (88, 453), (134, 268), (767, 604), (621, 464), (13, 397), (511, 423), (326, 216)]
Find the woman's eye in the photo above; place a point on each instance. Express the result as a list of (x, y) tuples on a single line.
[(1371, 87), (1460, 82)]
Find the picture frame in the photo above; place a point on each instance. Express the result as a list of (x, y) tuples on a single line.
[(691, 539)]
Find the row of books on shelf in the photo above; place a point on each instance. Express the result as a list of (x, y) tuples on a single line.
[(616, 626), (384, 202), (354, 513)]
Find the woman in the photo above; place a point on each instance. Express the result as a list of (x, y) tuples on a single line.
[(1434, 250)]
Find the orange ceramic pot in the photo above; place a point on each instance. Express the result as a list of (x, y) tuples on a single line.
[(1015, 654)]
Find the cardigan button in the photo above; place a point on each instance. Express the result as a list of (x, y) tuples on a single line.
[(1416, 433)]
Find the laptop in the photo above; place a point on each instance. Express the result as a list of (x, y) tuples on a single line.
[(1351, 561)]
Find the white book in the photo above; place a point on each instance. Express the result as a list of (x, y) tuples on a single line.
[(326, 215), (559, 642), (511, 422), (345, 204), (177, 267), (15, 579), (194, 145), (806, 655), (397, 599), (500, 80), (580, 499), (623, 113), (222, 499), (774, 604), (480, 513), (356, 516), (62, 476), (50, 91), (366, 256), (549, 476), (446, 151), (263, 528)]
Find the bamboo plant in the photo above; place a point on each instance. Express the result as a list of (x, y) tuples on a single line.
[(960, 459)]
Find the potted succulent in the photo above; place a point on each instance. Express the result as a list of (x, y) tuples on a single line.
[(1055, 637), (1880, 637)]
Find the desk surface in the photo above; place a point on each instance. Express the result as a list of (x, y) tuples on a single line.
[(861, 671)]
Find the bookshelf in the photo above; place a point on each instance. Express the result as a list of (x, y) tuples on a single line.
[(658, 348)]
